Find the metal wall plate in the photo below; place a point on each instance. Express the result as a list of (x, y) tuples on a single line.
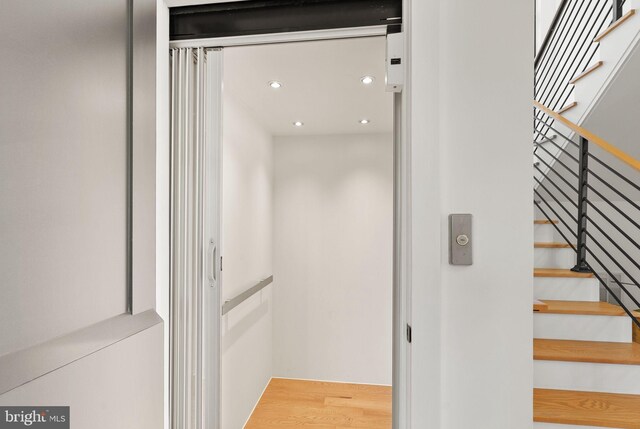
[(460, 239)]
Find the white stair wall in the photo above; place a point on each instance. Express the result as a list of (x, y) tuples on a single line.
[(566, 289), (554, 258), (614, 51), (544, 233), (585, 376), (582, 327)]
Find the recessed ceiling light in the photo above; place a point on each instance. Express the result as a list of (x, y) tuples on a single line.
[(367, 80), (275, 84), (298, 123), (364, 121)]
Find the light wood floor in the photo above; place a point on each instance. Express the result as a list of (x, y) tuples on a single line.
[(288, 404)]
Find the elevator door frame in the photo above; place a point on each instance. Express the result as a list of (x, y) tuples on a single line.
[(401, 380)]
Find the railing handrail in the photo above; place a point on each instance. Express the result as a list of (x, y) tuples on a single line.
[(602, 143), (232, 303)]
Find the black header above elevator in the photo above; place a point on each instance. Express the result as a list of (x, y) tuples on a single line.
[(279, 16)]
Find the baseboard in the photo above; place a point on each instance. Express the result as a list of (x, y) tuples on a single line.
[(331, 381)]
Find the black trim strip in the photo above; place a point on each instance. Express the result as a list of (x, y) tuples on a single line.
[(279, 16)]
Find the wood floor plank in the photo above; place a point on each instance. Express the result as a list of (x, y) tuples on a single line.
[(568, 407), (587, 351), (307, 404)]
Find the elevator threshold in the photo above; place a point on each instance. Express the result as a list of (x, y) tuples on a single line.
[(288, 403)]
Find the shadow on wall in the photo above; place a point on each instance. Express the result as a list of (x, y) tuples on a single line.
[(235, 325)]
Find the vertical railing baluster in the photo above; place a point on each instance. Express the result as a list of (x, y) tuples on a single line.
[(583, 175)]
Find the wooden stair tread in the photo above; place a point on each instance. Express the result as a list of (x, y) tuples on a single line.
[(545, 222), (587, 351), (586, 72), (539, 305), (541, 245), (615, 25), (567, 107), (569, 407), (582, 307), (560, 272)]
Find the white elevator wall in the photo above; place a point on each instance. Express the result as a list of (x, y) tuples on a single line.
[(333, 235), (247, 258)]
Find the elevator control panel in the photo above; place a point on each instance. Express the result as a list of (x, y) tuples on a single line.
[(395, 62), (460, 239)]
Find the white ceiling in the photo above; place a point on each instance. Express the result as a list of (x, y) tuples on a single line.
[(321, 85)]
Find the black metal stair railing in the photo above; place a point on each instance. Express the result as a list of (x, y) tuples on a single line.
[(569, 49), (574, 180)]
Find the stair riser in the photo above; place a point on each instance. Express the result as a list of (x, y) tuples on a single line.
[(544, 233), (583, 376), (554, 258), (582, 327), (566, 289)]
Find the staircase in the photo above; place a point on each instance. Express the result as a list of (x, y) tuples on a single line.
[(586, 363), (586, 346)]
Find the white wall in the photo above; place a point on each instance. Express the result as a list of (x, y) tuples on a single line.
[(247, 258), (472, 326), (62, 169), (79, 102), (333, 229), (118, 387)]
